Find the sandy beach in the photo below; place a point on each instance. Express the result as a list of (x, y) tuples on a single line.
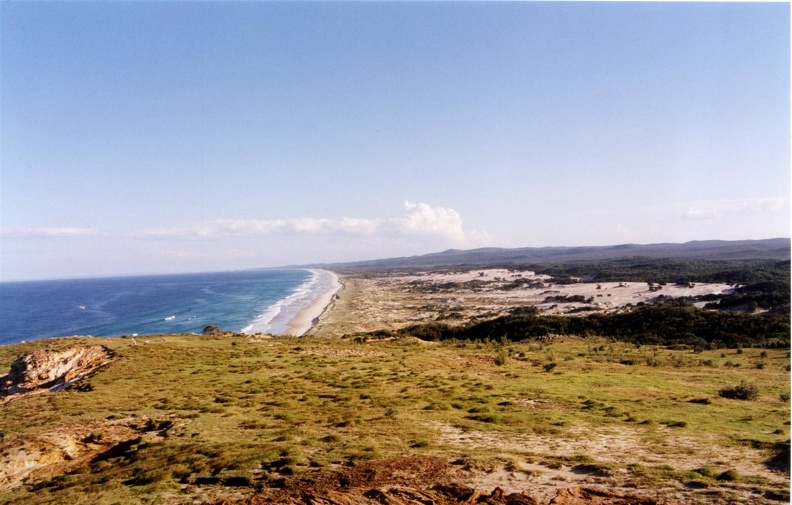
[(308, 316)]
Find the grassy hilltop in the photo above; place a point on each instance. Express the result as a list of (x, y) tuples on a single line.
[(227, 415)]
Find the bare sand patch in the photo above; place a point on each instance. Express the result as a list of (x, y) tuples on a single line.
[(530, 467), (393, 301)]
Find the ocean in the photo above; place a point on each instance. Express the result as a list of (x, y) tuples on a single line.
[(245, 301)]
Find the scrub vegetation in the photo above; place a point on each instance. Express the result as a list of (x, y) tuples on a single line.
[(671, 322)]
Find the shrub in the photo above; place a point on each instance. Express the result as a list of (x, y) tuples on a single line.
[(485, 418), (549, 366), (211, 330), (742, 391), (706, 471), (730, 475), (501, 357), (252, 425)]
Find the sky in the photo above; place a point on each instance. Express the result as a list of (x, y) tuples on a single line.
[(165, 137)]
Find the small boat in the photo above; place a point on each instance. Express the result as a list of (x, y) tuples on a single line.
[(170, 318), (82, 307)]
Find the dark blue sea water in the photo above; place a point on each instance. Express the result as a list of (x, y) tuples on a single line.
[(250, 301)]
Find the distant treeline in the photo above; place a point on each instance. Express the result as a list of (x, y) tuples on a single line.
[(669, 323), (666, 271), (767, 295)]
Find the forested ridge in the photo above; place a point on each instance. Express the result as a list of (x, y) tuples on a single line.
[(736, 252)]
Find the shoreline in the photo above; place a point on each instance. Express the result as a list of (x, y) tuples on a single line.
[(309, 315)]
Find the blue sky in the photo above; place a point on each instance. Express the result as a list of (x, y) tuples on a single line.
[(148, 137)]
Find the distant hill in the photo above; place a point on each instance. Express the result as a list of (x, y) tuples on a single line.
[(777, 249)]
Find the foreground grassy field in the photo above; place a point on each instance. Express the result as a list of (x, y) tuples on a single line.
[(225, 416)]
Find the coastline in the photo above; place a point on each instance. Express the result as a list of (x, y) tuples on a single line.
[(308, 316)]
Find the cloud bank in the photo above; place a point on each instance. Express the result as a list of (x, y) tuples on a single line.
[(52, 232), (725, 208), (417, 220)]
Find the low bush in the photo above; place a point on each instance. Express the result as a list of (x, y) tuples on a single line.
[(701, 401), (742, 391), (729, 475), (706, 471), (485, 418)]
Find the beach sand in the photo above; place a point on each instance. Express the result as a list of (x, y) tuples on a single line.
[(308, 317)]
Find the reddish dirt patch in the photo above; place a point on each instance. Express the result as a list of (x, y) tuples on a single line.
[(412, 480)]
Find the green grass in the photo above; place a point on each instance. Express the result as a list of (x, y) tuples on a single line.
[(246, 412)]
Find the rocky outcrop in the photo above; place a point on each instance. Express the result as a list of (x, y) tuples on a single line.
[(48, 370), (58, 450)]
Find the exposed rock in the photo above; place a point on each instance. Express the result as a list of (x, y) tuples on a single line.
[(211, 330), (48, 370), (58, 450), (589, 496)]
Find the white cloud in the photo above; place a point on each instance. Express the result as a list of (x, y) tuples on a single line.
[(357, 225), (423, 219), (439, 226), (61, 232), (240, 227), (309, 225), (180, 254), (722, 208), (418, 219)]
